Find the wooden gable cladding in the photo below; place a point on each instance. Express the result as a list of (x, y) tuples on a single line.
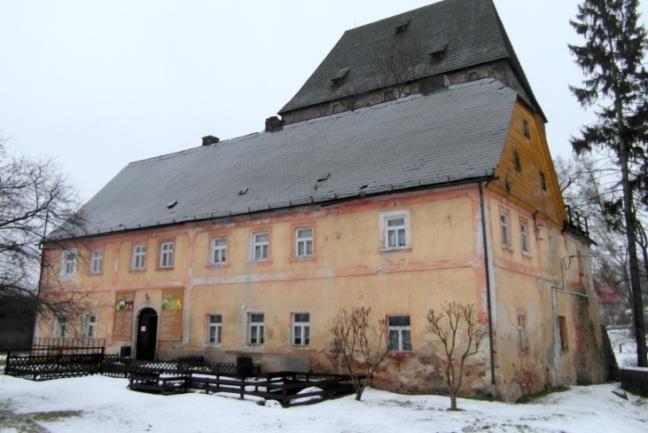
[(525, 173)]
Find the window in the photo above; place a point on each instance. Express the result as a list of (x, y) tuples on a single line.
[(396, 231), (166, 254), (139, 257), (505, 236), (60, 327), (68, 263), (553, 248), (399, 334), (255, 328), (90, 326), (562, 327), (524, 237), (96, 262), (260, 246), (304, 239), (518, 164), (219, 251), (523, 340), (301, 329), (214, 330), (543, 181), (525, 128)]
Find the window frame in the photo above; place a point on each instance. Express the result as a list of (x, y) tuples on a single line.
[(60, 327), (400, 330), (303, 326), (563, 333), (224, 251), (218, 326), (135, 254), (94, 260), (526, 128), (162, 252), (254, 243), (65, 260), (250, 324), (385, 217), (525, 244), (86, 325), (305, 241), (505, 229)]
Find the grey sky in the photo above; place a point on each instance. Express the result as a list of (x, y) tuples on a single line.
[(97, 84)]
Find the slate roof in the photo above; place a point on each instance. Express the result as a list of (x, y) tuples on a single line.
[(377, 57), (452, 135)]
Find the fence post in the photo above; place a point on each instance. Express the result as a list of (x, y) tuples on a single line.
[(6, 369)]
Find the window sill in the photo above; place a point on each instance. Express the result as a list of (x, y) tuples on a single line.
[(212, 345), (95, 274), (67, 277), (137, 271), (396, 249), (266, 262), (217, 265), (527, 255), (165, 268), (303, 258), (507, 248), (300, 346), (401, 355)]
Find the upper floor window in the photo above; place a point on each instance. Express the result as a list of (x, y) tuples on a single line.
[(214, 330), (138, 259), (523, 339), (543, 181), (395, 230), (304, 239), (68, 263), (505, 230), (90, 326), (399, 334), (219, 251), (553, 248), (301, 329), (260, 247), (255, 329), (524, 237), (96, 262), (166, 254), (525, 128), (516, 160)]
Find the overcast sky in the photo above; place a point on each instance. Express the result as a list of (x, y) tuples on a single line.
[(97, 84)]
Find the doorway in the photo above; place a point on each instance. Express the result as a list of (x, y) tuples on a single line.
[(146, 334)]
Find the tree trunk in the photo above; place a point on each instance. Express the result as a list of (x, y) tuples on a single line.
[(453, 402), (359, 392), (631, 237)]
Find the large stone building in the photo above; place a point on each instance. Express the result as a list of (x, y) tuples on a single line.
[(410, 169)]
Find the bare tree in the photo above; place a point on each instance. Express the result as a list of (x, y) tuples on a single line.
[(35, 200), (456, 327), (361, 346)]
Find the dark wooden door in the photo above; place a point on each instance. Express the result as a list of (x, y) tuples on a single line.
[(146, 334)]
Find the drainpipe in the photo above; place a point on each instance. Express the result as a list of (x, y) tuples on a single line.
[(488, 285)]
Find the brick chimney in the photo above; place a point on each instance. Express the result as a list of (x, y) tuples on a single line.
[(273, 124), (209, 139)]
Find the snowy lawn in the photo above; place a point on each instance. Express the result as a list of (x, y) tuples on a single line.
[(102, 404), (624, 346)]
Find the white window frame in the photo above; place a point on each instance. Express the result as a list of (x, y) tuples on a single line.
[(96, 262), (90, 326), (400, 330), (167, 255), (138, 252), (524, 238), (302, 328), (69, 263), (305, 242), (505, 229), (254, 243), (60, 327), (385, 217), (217, 327), (257, 326), (219, 252)]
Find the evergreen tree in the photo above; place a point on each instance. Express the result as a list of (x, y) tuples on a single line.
[(616, 83)]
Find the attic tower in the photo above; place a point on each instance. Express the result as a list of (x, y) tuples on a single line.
[(420, 51)]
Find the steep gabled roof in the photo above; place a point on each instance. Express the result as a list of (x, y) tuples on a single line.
[(424, 140), (446, 36)]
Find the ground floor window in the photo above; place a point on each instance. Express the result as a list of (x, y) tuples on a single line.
[(523, 340), (399, 333), (215, 327), (255, 328), (60, 327), (90, 326), (562, 328), (301, 329)]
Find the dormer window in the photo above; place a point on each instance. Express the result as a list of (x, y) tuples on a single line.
[(438, 51), (402, 27), (340, 76)]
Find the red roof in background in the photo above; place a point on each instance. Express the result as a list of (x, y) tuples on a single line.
[(607, 296)]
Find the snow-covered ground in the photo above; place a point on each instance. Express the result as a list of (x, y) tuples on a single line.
[(101, 404), (624, 346)]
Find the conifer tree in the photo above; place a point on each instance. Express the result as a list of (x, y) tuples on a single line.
[(616, 85)]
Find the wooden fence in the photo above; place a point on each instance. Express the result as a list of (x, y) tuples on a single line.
[(49, 363)]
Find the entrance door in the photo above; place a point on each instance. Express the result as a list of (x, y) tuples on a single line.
[(146, 334)]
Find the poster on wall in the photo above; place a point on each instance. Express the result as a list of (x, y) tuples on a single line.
[(123, 322), (171, 315)]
